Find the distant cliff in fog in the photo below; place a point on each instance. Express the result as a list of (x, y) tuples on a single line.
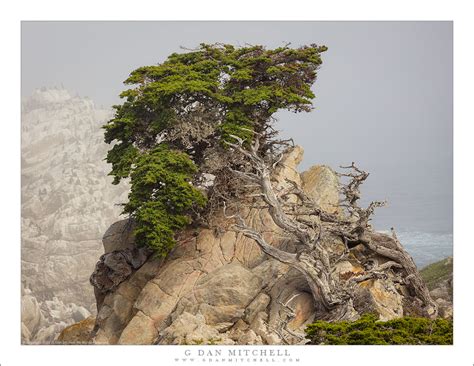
[(67, 203)]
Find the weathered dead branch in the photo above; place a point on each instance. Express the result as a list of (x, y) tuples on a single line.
[(293, 211)]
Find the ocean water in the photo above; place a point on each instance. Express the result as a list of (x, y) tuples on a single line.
[(426, 247)]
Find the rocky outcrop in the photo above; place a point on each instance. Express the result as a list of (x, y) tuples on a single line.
[(217, 287), (67, 204), (319, 181), (439, 279)]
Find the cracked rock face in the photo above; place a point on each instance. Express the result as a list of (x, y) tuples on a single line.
[(221, 289), (68, 202)]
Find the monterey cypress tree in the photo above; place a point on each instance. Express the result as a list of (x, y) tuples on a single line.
[(168, 134)]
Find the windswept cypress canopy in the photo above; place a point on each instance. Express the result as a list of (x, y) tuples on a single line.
[(170, 128)]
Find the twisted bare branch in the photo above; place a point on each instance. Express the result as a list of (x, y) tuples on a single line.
[(297, 215)]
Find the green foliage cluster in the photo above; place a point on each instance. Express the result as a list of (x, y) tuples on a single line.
[(161, 196), (239, 88), (368, 330)]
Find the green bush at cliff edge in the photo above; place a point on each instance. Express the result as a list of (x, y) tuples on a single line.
[(369, 331)]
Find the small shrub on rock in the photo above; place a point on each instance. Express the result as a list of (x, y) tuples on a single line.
[(369, 330)]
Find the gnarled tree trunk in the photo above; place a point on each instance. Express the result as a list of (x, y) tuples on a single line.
[(308, 225)]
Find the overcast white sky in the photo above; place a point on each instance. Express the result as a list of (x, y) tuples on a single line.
[(384, 94)]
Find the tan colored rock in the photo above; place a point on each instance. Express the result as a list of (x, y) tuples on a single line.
[(303, 306), (445, 308), (193, 279), (192, 329), (223, 295), (250, 337), (259, 324), (447, 311), (258, 305), (140, 330), (379, 297), (227, 245), (118, 307), (217, 287), (230, 284), (322, 184), (78, 333), (289, 166)]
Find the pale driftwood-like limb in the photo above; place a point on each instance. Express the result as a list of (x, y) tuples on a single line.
[(312, 262), (365, 236), (290, 316), (306, 222), (249, 232)]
